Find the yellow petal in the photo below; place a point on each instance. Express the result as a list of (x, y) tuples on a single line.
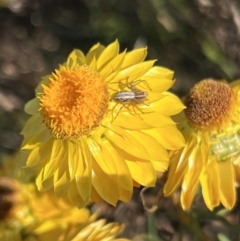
[(117, 163), (74, 158), (107, 54), (235, 85), (79, 158), (210, 183), (187, 196), (89, 232), (227, 184), (40, 154), (61, 180), (39, 180), (174, 177), (133, 57), (160, 72), (86, 153), (126, 141), (154, 148), (160, 166), (41, 184), (152, 97), (95, 197), (97, 153), (236, 117), (142, 172), (93, 64), (191, 178), (58, 155), (113, 65), (33, 126), (178, 167), (169, 105), (32, 106), (125, 194), (84, 183), (134, 72), (155, 84), (164, 136), (94, 52), (105, 185), (75, 58), (187, 151), (111, 163), (74, 196), (83, 175), (157, 120), (195, 166), (237, 173), (35, 141), (136, 122)]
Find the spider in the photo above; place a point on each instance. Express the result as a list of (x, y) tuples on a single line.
[(133, 96)]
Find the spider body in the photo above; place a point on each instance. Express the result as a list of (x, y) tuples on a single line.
[(134, 96), (128, 98)]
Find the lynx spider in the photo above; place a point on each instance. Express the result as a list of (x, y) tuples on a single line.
[(133, 96)]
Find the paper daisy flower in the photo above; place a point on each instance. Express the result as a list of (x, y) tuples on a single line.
[(101, 124), (28, 215), (58, 220), (211, 127)]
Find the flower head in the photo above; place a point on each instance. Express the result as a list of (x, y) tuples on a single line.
[(42, 216), (211, 127), (101, 124), (29, 215)]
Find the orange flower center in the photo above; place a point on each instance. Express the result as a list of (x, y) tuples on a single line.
[(74, 102), (210, 105)]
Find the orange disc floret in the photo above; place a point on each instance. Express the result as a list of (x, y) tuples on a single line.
[(74, 101)]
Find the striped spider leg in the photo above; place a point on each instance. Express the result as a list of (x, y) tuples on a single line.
[(131, 85)]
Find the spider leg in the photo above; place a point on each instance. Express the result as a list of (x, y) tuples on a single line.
[(132, 110), (120, 83), (136, 82), (114, 117), (135, 106)]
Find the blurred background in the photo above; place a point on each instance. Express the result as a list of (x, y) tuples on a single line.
[(197, 39)]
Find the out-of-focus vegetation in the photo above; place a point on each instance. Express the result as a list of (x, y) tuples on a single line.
[(197, 39)]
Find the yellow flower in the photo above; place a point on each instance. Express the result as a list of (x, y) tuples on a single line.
[(58, 220), (101, 124), (211, 127), (27, 215)]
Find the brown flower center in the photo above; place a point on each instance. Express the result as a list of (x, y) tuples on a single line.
[(210, 105)]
